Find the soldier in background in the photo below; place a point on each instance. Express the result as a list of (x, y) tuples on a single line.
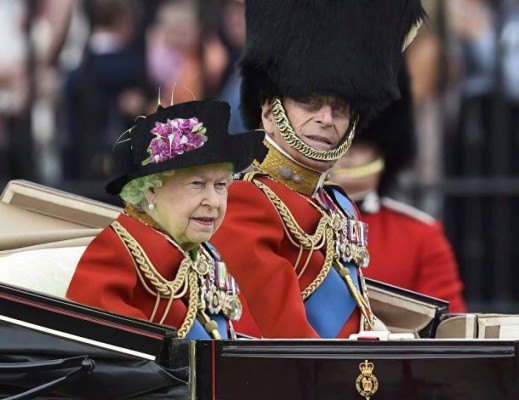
[(407, 247)]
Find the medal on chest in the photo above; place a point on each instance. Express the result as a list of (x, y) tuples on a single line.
[(218, 290)]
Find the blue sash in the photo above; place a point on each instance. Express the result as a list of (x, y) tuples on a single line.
[(331, 305), (198, 332), (344, 202)]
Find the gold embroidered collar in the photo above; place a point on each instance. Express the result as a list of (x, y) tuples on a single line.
[(283, 169)]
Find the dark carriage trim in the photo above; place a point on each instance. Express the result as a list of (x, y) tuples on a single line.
[(92, 324)]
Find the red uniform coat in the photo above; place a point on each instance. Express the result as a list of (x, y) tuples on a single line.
[(409, 249), (255, 247), (106, 276)]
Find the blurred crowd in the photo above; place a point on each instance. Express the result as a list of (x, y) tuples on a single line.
[(74, 75)]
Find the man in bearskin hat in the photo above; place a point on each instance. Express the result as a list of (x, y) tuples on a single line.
[(407, 247), (312, 71)]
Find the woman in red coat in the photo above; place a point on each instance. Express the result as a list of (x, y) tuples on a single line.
[(153, 262), (407, 247)]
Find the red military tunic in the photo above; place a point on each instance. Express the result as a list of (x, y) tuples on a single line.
[(106, 276), (409, 249), (261, 258)]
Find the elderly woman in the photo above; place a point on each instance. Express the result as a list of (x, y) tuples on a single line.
[(153, 262)]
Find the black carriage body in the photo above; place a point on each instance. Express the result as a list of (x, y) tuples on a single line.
[(51, 338), (407, 370)]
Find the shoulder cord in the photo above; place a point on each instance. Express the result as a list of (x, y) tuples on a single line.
[(324, 232), (186, 278), (299, 238)]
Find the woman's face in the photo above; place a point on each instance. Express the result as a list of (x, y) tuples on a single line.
[(191, 204)]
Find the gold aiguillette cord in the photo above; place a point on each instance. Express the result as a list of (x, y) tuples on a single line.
[(344, 272), (209, 325)]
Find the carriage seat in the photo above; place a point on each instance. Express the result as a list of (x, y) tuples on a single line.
[(44, 232)]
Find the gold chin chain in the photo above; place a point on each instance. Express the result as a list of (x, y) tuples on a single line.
[(324, 234), (186, 280), (287, 132)]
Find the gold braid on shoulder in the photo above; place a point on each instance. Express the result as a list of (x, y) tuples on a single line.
[(324, 234), (186, 278)]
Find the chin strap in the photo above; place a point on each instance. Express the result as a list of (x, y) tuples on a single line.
[(287, 132)]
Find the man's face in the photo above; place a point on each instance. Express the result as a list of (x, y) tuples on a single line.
[(319, 121)]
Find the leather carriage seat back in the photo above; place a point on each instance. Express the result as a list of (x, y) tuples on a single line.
[(44, 232), (34, 216)]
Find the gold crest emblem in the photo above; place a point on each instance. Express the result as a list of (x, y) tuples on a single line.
[(367, 383)]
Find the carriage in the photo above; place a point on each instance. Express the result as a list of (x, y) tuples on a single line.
[(52, 348)]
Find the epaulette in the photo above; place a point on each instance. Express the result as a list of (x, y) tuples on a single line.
[(407, 210)]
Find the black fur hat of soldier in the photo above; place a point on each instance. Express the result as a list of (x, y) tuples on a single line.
[(393, 133), (347, 48)]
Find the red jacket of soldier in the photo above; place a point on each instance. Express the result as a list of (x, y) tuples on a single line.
[(408, 248)]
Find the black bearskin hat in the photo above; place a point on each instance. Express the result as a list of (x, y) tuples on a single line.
[(347, 48), (393, 133)]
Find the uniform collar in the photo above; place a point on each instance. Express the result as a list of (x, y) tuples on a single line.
[(284, 169)]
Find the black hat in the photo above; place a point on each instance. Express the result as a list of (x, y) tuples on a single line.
[(393, 133), (186, 135), (346, 48)]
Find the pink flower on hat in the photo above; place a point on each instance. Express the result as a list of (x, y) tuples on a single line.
[(173, 138)]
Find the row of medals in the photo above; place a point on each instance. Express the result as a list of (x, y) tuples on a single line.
[(347, 249), (213, 298)]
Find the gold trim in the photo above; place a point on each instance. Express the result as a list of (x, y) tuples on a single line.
[(185, 279), (288, 172), (362, 301), (142, 216), (324, 235), (287, 132), (367, 382), (192, 368), (300, 239)]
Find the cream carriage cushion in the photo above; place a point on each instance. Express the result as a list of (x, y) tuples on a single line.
[(47, 271)]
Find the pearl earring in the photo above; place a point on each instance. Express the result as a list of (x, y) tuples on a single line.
[(151, 206)]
